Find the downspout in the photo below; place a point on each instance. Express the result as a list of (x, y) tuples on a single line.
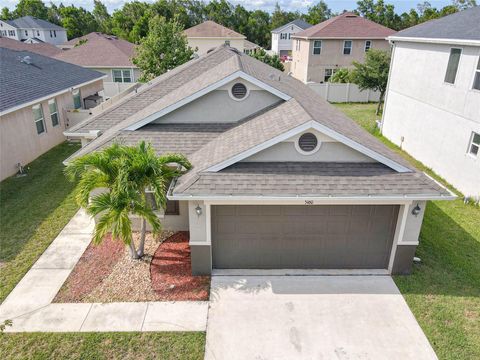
[(388, 86)]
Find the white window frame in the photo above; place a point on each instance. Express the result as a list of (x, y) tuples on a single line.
[(325, 74), (476, 75), (123, 75), (317, 47), (458, 65), (344, 47), (50, 102), (472, 144), (41, 119), (369, 46), (75, 93)]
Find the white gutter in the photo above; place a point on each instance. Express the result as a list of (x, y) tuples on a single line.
[(434, 40), (49, 96), (92, 134), (338, 38)]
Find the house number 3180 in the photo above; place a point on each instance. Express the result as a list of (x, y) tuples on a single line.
[(308, 202)]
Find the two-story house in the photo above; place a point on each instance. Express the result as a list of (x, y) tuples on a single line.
[(432, 107), (32, 30), (107, 54), (282, 36), (35, 93), (333, 44)]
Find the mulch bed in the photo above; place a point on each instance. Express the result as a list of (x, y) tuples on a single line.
[(170, 271), (95, 264), (106, 273)]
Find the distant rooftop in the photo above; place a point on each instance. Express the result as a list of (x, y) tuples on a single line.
[(464, 25), (26, 76), (211, 29), (42, 48), (347, 25), (298, 22), (97, 49), (30, 22)]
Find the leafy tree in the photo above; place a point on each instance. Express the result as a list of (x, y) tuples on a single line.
[(221, 12), (77, 21), (342, 75), (373, 73), (258, 28), (131, 21), (102, 17), (34, 8), (6, 14), (164, 48), (464, 4), (272, 60), (53, 14), (281, 17), (126, 172), (318, 13)]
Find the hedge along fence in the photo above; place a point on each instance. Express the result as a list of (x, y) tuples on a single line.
[(344, 93)]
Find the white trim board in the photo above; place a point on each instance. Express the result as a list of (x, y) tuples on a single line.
[(236, 75), (435, 41), (297, 130)]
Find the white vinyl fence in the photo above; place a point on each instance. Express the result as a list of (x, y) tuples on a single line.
[(335, 92)]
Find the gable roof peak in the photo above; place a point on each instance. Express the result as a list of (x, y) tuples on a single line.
[(211, 29)]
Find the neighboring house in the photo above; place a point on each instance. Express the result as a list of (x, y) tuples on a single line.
[(250, 47), (432, 107), (35, 93), (281, 179), (44, 49), (107, 54), (29, 29), (333, 44), (282, 36), (209, 35)]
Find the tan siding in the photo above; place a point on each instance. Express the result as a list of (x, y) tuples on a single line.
[(19, 141)]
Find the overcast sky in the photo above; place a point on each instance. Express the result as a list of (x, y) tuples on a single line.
[(267, 5)]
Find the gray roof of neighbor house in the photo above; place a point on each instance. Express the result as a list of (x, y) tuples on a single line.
[(41, 48), (27, 79), (211, 145), (30, 22), (464, 25), (298, 22)]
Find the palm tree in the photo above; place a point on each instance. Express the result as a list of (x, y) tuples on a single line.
[(127, 172)]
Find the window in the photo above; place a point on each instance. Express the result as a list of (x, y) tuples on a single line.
[(317, 47), (474, 144), (307, 144), (368, 45), (476, 80), (238, 91), (283, 36), (172, 206), (77, 99), (52, 107), (289, 36), (10, 33), (328, 74), (51, 34), (227, 42), (120, 75), (38, 33), (347, 47), (54, 33), (26, 32), (38, 118), (297, 45), (452, 66)]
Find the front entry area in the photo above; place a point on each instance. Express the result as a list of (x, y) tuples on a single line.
[(302, 236)]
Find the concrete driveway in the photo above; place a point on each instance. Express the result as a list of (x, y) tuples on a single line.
[(311, 317)]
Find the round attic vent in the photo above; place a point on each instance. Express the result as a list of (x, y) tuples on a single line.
[(239, 91), (308, 144)]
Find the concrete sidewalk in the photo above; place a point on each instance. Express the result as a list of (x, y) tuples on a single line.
[(30, 305)]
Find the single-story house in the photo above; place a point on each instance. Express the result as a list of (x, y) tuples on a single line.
[(432, 104), (280, 180), (106, 54), (35, 93)]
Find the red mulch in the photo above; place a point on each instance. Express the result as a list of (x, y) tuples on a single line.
[(171, 272), (94, 266)]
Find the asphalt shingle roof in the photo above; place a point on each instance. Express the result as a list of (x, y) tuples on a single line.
[(298, 22), (464, 25), (22, 82), (30, 22), (97, 49), (287, 179), (42, 48), (346, 25), (212, 29)]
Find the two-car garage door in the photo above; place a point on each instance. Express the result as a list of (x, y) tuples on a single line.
[(296, 236)]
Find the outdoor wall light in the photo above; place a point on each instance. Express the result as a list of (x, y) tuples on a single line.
[(198, 210), (416, 210)]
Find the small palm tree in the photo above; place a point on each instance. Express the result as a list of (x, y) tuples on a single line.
[(127, 172)]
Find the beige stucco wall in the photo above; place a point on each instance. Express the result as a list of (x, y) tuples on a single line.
[(205, 44), (19, 141), (308, 67)]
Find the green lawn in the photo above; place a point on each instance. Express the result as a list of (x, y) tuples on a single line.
[(92, 346), (33, 210), (444, 291)]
